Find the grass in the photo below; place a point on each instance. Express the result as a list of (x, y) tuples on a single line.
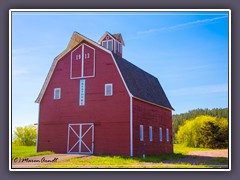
[(102, 161), (180, 148), (26, 151), (116, 162), (217, 161)]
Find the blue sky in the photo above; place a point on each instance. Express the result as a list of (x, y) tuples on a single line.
[(186, 51)]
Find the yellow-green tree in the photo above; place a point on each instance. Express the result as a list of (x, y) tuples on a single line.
[(204, 131), (25, 136)]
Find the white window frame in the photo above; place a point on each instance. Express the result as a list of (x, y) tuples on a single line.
[(150, 133), (55, 97), (160, 134), (110, 41), (141, 133), (167, 134), (83, 61), (107, 42), (106, 92)]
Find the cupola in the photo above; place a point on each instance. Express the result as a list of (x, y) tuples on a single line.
[(112, 42)]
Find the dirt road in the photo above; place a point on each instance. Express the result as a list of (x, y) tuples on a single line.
[(212, 153)]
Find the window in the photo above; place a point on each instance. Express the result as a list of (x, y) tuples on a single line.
[(160, 134), (57, 93), (108, 44), (150, 133), (104, 43), (167, 134), (108, 89), (120, 48), (141, 133)]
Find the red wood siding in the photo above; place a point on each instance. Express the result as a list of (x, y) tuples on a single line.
[(150, 115), (110, 114)]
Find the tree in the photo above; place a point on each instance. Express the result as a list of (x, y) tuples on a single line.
[(179, 119), (25, 136), (204, 131)]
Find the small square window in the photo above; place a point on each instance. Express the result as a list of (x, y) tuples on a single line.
[(57, 93), (108, 89)]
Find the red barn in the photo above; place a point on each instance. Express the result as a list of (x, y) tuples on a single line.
[(93, 101)]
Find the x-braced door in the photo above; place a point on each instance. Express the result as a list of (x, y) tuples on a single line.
[(81, 138)]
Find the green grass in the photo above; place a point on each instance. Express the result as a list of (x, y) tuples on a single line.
[(26, 151), (180, 148), (101, 161), (116, 162), (217, 161)]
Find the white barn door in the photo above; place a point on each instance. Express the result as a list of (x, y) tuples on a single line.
[(80, 138)]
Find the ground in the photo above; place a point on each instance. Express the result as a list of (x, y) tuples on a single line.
[(192, 158)]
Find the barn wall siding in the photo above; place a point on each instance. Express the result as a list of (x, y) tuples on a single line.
[(110, 114), (150, 115)]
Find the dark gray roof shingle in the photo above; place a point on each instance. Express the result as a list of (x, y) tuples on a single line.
[(142, 84)]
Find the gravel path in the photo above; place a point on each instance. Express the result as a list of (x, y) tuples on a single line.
[(212, 153)]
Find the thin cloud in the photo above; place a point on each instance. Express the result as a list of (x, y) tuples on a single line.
[(26, 50), (184, 25), (210, 89), (16, 72)]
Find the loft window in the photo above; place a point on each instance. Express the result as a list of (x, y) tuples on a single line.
[(120, 48), (108, 89), (150, 133), (57, 93), (141, 133), (167, 135), (104, 43), (108, 44)]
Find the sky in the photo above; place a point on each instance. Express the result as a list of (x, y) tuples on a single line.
[(186, 51)]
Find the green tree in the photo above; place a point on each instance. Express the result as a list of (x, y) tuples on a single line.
[(25, 136), (179, 119), (204, 131), (209, 132)]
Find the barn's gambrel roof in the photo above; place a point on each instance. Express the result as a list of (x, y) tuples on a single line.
[(142, 84)]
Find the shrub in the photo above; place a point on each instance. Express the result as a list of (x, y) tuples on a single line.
[(25, 136), (204, 131)]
